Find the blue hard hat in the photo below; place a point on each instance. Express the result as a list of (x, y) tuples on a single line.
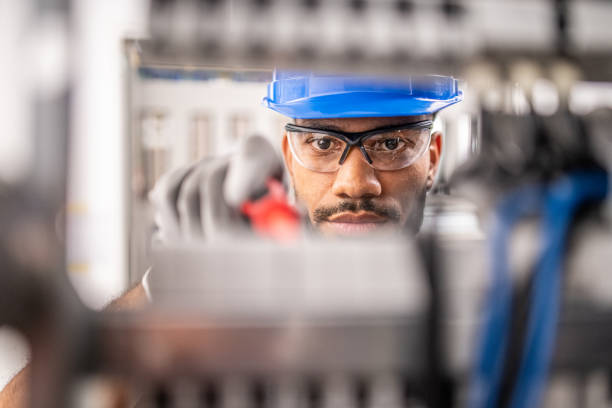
[(307, 95)]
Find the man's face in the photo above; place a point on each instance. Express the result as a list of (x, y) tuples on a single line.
[(357, 198)]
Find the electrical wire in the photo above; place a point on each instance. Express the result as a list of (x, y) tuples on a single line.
[(563, 198), (558, 204), (493, 342)]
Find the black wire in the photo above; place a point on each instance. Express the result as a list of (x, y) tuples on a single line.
[(562, 22), (438, 390), (516, 341)]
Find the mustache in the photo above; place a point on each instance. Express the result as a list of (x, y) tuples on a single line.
[(321, 214)]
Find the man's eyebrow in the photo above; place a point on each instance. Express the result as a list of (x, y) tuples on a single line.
[(338, 129), (325, 127)]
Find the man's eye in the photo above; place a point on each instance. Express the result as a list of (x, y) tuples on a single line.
[(322, 144), (391, 144)]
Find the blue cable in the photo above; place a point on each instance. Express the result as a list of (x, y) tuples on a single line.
[(490, 361), (562, 200)]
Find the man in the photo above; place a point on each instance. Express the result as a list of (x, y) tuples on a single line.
[(359, 151)]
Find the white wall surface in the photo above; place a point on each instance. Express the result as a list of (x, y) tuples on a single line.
[(220, 99), (96, 201)]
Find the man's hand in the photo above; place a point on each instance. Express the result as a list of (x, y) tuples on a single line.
[(14, 394), (203, 199)]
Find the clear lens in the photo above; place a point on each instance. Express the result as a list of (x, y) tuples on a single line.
[(316, 151), (388, 151), (398, 149)]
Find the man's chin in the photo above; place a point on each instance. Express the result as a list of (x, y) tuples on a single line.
[(354, 229)]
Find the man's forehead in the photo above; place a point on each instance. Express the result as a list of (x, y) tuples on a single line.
[(359, 124)]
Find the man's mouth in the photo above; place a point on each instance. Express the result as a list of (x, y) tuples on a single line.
[(354, 223)]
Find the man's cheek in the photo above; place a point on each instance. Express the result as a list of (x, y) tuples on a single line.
[(305, 208), (303, 198), (312, 187), (408, 191), (414, 204)]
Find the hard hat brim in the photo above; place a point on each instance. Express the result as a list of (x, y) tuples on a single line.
[(360, 104), (318, 96)]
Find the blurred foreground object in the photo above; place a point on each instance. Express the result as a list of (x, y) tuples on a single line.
[(358, 323), (203, 200)]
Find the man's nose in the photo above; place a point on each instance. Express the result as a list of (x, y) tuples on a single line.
[(355, 178)]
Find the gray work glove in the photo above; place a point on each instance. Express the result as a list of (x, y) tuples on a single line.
[(203, 200)]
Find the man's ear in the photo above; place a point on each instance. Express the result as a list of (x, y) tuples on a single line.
[(287, 155), (435, 153)]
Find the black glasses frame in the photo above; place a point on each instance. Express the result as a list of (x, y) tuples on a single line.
[(356, 138)]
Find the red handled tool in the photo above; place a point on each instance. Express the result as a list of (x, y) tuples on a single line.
[(271, 216)]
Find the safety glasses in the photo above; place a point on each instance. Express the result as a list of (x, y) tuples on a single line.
[(387, 148)]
